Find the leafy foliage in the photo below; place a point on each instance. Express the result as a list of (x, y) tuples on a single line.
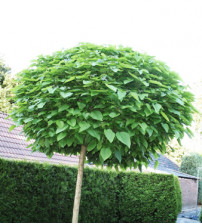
[(141, 199), (175, 152), (198, 105), (6, 85), (120, 103), (6, 94), (4, 70), (190, 163), (178, 194), (42, 193), (200, 218)]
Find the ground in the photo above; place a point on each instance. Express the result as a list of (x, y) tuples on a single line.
[(189, 216)]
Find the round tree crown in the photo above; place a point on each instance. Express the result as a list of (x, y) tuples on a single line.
[(123, 105)]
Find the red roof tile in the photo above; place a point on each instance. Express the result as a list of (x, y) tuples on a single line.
[(13, 145)]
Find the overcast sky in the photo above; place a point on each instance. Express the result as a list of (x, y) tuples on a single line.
[(171, 30)]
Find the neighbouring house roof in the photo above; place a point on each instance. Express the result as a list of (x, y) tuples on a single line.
[(13, 145), (164, 163), (167, 166)]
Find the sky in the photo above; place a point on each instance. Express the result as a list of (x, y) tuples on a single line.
[(170, 30)]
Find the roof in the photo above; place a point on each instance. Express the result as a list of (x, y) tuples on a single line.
[(13, 145), (164, 163), (168, 166)]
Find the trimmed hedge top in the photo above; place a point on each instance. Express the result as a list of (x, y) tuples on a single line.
[(32, 192)]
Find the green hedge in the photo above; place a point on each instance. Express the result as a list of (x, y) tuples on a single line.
[(149, 198), (200, 218), (32, 192), (178, 194)]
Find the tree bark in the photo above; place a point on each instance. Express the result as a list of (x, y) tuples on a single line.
[(77, 197)]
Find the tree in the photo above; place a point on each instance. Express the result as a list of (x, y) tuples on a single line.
[(175, 151), (112, 105), (3, 71), (6, 94), (191, 163), (6, 85), (198, 105), (190, 145)]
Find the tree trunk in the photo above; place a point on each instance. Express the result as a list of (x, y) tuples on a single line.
[(77, 197)]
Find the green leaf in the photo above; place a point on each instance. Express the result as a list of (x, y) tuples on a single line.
[(165, 126), (63, 107), (165, 116), (126, 65), (130, 121), (110, 135), (113, 115), (134, 125), (72, 122), (79, 138), (85, 82), (12, 127), (99, 145), (70, 141), (41, 105), (177, 134), (147, 112), (118, 155), (51, 133), (149, 131), (63, 142), (156, 107), (61, 136), (174, 111), (124, 137), (114, 69), (61, 129), (189, 132), (156, 164), (51, 90), (134, 76), (81, 105), (66, 94), (94, 133), (111, 87), (105, 153), (134, 95), (91, 145), (145, 143), (143, 96), (121, 95), (180, 102), (83, 126), (143, 126), (97, 115), (155, 82), (70, 79), (128, 80), (60, 124)]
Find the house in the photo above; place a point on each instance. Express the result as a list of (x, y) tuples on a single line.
[(13, 145)]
